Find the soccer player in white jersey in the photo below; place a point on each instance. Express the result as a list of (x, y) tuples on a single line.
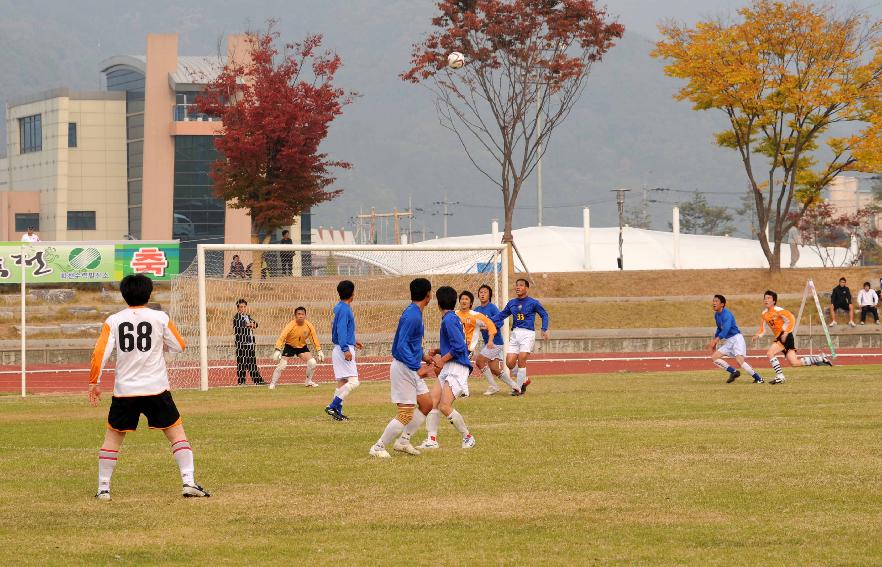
[(293, 340), (407, 373), (453, 367), (139, 335)]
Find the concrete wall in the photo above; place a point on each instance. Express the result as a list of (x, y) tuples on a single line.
[(159, 145)]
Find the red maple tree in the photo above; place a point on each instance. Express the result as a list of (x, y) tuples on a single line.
[(276, 109), (527, 63)]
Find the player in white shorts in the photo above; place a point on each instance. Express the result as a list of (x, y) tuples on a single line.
[(729, 342), (490, 360), (523, 310), (343, 355), (453, 367), (406, 373)]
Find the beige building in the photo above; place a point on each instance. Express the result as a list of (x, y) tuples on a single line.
[(844, 193), (65, 171), (132, 160)]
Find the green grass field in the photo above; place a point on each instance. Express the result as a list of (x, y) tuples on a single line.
[(648, 469)]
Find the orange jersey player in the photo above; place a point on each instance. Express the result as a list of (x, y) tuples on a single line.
[(782, 322), (292, 342), (472, 320), (139, 336)]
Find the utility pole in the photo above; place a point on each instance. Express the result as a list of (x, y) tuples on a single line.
[(620, 201), (445, 203), (539, 163)]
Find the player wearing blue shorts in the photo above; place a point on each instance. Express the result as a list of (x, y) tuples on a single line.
[(523, 310), (407, 373), (490, 360), (343, 355), (728, 341)]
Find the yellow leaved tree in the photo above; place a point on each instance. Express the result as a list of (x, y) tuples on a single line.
[(784, 74)]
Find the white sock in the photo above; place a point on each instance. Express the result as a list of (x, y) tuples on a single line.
[(488, 374), (810, 360), (721, 363), (522, 377), (412, 427), (393, 430), (456, 420), (503, 375), (310, 369), (432, 421), (106, 463), (277, 373), (184, 457)]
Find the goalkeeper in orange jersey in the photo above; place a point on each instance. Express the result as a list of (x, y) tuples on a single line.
[(292, 342), (782, 322), (139, 335)]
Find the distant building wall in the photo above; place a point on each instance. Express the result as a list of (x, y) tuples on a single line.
[(68, 149)]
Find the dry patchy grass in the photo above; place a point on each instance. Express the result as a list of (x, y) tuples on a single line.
[(651, 469)]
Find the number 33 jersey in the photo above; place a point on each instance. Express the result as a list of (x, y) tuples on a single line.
[(139, 336)]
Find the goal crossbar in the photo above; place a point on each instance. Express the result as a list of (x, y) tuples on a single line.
[(500, 259)]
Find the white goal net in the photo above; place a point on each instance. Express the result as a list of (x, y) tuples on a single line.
[(204, 302)]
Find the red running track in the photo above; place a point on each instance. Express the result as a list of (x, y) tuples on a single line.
[(46, 379)]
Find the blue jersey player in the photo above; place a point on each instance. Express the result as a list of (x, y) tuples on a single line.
[(523, 310), (453, 367), (490, 360), (406, 374), (729, 342), (343, 355)]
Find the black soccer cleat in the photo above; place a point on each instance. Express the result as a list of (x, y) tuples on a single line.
[(733, 376), (334, 413), (524, 386), (194, 491), (103, 495), (515, 392)]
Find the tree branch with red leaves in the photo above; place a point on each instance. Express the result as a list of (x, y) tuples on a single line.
[(276, 110), (527, 64)]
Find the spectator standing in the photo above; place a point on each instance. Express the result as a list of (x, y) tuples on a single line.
[(286, 258), (868, 299), (31, 236), (840, 300)]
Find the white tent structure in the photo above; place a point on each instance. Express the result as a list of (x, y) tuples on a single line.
[(575, 249)]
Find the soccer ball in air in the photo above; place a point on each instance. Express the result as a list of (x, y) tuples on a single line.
[(455, 60)]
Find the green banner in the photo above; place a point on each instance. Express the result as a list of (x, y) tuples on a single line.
[(62, 262)]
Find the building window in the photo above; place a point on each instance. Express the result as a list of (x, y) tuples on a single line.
[(30, 134), (24, 220), (71, 134), (80, 220)]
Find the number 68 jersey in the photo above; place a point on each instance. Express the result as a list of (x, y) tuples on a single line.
[(139, 336)]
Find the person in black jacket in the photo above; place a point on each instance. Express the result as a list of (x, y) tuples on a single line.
[(840, 300), (246, 359), (286, 259)]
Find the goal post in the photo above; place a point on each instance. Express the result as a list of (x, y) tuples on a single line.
[(811, 291), (273, 289)]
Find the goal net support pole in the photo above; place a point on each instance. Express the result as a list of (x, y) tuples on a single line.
[(810, 290), (404, 257)]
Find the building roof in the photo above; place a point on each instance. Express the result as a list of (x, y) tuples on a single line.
[(192, 70)]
